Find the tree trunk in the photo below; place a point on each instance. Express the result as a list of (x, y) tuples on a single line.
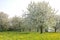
[(29, 29), (41, 29), (37, 29), (55, 29)]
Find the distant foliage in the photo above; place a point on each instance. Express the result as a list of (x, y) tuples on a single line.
[(38, 18)]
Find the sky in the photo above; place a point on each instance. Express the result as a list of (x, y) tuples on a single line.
[(16, 7)]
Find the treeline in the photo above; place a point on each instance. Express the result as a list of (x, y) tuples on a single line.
[(38, 17)]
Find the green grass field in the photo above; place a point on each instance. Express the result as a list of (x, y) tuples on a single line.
[(28, 36)]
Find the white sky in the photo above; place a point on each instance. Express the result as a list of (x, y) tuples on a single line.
[(15, 7)]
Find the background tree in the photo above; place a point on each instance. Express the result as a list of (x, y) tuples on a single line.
[(3, 21), (57, 26), (15, 23)]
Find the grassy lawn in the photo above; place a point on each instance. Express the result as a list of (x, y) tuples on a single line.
[(28, 36)]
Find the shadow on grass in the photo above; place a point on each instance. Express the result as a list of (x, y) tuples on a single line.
[(24, 33)]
